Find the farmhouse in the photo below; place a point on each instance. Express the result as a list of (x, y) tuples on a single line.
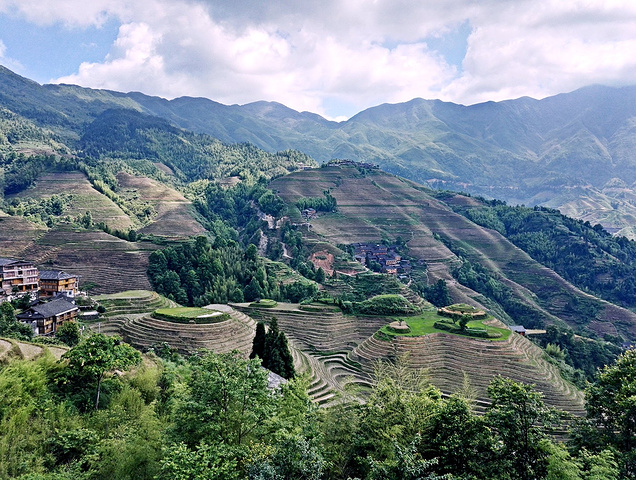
[(44, 319), (520, 329), (390, 261), (54, 282), (352, 163), (17, 277)]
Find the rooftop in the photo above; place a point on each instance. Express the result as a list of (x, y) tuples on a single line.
[(55, 275), (55, 307)]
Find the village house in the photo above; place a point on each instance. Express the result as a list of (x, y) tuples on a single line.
[(309, 213), (17, 277), (45, 318), (54, 282), (390, 261)]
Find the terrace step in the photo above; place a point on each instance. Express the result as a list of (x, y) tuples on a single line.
[(447, 358), (143, 331)]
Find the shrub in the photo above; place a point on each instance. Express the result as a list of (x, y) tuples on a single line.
[(470, 332), (386, 305)]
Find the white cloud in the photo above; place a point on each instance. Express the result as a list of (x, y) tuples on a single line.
[(7, 61), (312, 55)]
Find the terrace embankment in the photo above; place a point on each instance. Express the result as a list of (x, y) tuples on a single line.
[(449, 358), (128, 314)]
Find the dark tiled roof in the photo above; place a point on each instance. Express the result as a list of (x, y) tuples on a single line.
[(55, 275), (54, 307), (10, 261)]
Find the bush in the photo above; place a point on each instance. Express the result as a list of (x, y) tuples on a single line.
[(470, 332), (386, 305), (264, 303)]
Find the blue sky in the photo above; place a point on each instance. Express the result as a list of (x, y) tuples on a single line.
[(332, 57)]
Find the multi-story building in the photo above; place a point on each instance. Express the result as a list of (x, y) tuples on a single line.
[(17, 277), (45, 319), (54, 282)]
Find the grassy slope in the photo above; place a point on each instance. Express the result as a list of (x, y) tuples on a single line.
[(108, 262), (85, 198)]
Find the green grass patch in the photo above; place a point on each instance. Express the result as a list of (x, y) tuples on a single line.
[(424, 324), (264, 303), (189, 315)]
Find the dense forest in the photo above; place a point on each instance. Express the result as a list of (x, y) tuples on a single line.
[(126, 134), (586, 255), (201, 273), (213, 416)]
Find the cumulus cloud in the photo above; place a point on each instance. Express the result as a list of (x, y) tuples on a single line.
[(313, 55)]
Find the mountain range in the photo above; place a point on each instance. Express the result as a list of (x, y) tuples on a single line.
[(573, 151)]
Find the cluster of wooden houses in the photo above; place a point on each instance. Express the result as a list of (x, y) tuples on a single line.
[(352, 163), (387, 257), (52, 294)]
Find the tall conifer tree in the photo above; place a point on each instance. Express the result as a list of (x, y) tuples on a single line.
[(258, 344)]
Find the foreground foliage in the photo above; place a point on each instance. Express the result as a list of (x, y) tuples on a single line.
[(214, 417)]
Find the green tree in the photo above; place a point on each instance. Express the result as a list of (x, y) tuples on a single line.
[(271, 203), (520, 420), (97, 355), (258, 344), (561, 466), (400, 406), (611, 406), (10, 326), (438, 294), (405, 464), (251, 252), (204, 462), (320, 275), (276, 354), (461, 441), (69, 333), (226, 400), (86, 220), (463, 321)]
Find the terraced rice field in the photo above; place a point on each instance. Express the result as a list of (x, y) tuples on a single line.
[(447, 358), (109, 263), (375, 205), (85, 197), (17, 235), (13, 349), (174, 213), (128, 315), (339, 351)]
